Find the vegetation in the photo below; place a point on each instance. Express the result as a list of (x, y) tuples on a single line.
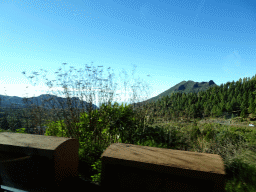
[(175, 122), (237, 98), (183, 87)]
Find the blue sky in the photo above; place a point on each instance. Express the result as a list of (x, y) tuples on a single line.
[(168, 41)]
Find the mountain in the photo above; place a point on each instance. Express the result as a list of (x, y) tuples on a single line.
[(6, 101), (182, 87)]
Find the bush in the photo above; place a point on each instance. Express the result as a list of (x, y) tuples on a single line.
[(195, 132), (225, 135), (209, 132)]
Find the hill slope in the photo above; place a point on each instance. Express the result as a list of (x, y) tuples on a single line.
[(182, 87), (6, 101)]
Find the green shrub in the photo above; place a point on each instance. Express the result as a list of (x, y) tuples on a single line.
[(224, 135), (238, 170), (98, 167), (195, 133), (209, 132)]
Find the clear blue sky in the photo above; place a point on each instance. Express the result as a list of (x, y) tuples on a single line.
[(170, 41)]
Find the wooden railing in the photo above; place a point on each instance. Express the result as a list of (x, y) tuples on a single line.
[(52, 162), (141, 168), (29, 161)]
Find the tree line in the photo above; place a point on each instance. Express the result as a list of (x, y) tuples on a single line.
[(231, 97)]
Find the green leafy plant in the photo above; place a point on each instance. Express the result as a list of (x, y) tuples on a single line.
[(209, 132), (195, 133), (21, 130), (97, 166), (225, 135)]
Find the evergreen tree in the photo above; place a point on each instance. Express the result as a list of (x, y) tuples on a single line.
[(251, 108), (244, 80), (234, 105), (207, 110), (243, 113), (239, 98), (225, 87), (228, 107), (245, 98), (224, 97), (221, 86), (231, 95), (218, 111), (237, 90), (232, 85), (214, 111), (243, 107), (240, 81), (222, 106)]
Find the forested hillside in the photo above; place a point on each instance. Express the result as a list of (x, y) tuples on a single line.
[(232, 97)]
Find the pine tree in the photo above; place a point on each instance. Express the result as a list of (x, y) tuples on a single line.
[(243, 113), (234, 104), (218, 111), (243, 106), (214, 111), (228, 107), (230, 95), (251, 108)]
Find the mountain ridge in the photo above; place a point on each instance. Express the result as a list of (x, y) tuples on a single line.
[(7, 101), (182, 87)]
